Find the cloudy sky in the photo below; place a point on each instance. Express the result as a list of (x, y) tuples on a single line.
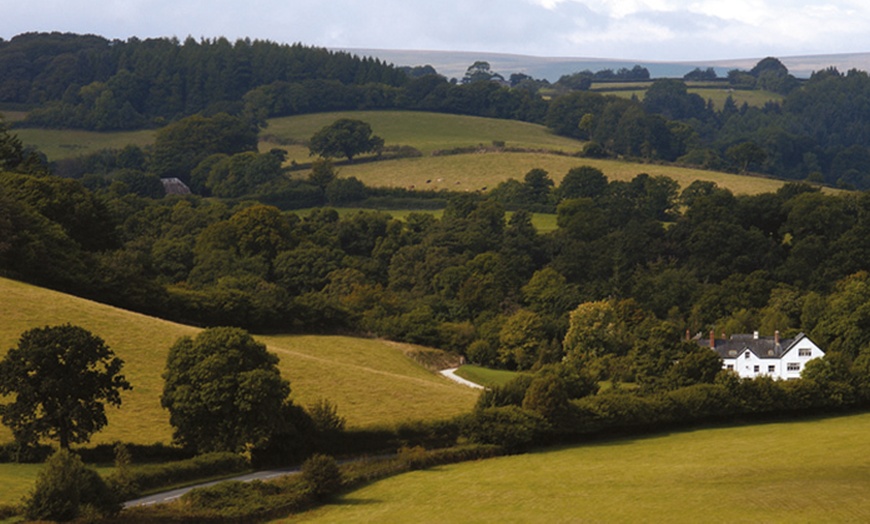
[(627, 29)]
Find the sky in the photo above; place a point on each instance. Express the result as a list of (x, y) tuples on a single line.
[(658, 30)]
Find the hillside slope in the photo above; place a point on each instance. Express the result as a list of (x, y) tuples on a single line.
[(371, 381)]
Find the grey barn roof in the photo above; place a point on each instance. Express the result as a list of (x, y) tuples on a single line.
[(763, 347)]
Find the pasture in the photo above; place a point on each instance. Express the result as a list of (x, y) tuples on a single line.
[(371, 381), (426, 132), (803, 471), (474, 172), (485, 376), (68, 143)]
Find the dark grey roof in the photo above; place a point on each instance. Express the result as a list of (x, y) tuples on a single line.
[(174, 186), (763, 347)]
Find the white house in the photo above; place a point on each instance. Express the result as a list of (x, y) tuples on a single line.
[(751, 356)]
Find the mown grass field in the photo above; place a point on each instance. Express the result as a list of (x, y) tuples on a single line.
[(66, 143), (427, 132), (485, 376), (371, 381), (805, 471), (474, 172)]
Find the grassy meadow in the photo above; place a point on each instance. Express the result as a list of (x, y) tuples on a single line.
[(717, 92), (474, 172), (804, 471), (485, 376), (371, 381), (66, 143), (427, 132)]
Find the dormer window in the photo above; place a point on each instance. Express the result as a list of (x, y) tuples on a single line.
[(805, 352), (746, 355), (732, 353)]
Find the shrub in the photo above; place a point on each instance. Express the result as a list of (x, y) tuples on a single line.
[(321, 475), (324, 415), (64, 487), (510, 427), (210, 464), (510, 394)]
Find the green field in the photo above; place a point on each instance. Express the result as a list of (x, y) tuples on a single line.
[(427, 132), (807, 471), (715, 91), (371, 381), (485, 376), (66, 143), (474, 172)]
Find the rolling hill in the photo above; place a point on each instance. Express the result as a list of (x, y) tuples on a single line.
[(808, 471), (372, 382), (480, 168)]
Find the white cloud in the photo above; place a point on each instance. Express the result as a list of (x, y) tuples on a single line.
[(632, 29)]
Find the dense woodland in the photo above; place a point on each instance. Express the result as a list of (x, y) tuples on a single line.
[(818, 133)]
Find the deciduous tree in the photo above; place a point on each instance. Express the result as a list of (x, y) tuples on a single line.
[(61, 378), (223, 391), (345, 137)]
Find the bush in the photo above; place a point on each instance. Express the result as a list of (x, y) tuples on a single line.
[(321, 474), (510, 394), (208, 465), (64, 487), (510, 427)]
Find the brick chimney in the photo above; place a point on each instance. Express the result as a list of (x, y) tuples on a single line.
[(712, 339), (688, 336), (776, 337)]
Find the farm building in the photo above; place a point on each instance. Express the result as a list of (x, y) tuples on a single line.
[(751, 356)]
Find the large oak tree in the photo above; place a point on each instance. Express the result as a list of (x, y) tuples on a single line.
[(60, 378)]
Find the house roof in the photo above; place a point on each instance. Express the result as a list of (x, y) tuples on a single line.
[(762, 347), (174, 186)]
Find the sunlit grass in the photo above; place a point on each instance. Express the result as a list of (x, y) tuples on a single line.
[(372, 381), (427, 132), (809, 471), (485, 376), (481, 172)]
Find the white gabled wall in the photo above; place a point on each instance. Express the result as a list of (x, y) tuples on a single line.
[(744, 363)]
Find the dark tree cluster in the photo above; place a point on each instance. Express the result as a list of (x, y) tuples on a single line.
[(96, 83)]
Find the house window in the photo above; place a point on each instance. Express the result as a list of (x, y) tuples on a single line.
[(755, 368), (805, 352), (771, 369), (732, 353), (730, 367), (746, 355), (794, 366)]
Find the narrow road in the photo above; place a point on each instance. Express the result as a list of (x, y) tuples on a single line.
[(169, 496), (451, 374)]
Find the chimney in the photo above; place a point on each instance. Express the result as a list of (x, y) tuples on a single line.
[(776, 337), (688, 336), (712, 339), (755, 335)]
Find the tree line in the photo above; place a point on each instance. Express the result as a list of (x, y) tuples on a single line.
[(816, 133)]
